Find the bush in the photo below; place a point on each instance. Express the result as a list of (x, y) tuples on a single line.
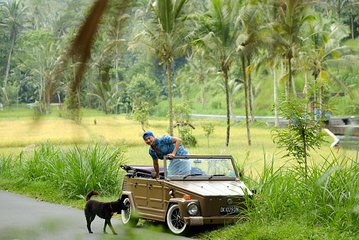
[(325, 206), (327, 198), (74, 172), (186, 136)]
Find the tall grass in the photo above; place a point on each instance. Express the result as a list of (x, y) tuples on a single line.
[(325, 205), (329, 196), (73, 171)]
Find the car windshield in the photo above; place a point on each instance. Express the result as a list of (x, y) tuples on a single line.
[(204, 168)]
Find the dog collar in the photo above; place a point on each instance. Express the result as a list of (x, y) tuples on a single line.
[(111, 207)]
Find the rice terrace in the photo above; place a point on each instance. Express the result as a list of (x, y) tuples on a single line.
[(271, 83)]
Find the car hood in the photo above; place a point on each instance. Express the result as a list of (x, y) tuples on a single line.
[(213, 188)]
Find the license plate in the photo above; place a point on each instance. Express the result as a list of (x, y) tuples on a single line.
[(229, 210)]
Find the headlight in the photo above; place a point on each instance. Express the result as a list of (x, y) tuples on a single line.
[(192, 209)]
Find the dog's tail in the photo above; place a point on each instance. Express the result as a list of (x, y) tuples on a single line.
[(90, 194)]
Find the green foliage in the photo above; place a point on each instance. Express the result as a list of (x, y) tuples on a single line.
[(208, 130), (327, 199), (143, 89), (6, 166), (302, 134), (140, 114), (182, 115), (144, 93), (182, 112), (45, 27), (187, 137), (323, 207), (74, 172), (288, 229)]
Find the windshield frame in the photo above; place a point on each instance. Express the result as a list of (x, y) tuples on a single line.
[(201, 177)]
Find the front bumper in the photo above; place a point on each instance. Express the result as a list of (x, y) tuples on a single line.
[(199, 220)]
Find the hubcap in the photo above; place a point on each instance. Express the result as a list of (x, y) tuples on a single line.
[(176, 219)]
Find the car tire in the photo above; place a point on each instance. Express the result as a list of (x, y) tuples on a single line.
[(128, 216), (175, 221)]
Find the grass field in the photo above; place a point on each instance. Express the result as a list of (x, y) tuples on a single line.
[(323, 205), (20, 131)]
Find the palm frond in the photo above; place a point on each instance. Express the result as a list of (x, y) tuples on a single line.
[(80, 48)]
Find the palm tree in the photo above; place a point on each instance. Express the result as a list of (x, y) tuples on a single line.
[(248, 43), (268, 54), (164, 36), (106, 57), (80, 48), (14, 19), (219, 32), (291, 15), (323, 48), (201, 71), (234, 87)]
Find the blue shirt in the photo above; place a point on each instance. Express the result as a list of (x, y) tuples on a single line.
[(165, 146)]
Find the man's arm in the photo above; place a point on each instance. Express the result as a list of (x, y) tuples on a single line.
[(177, 141), (156, 167)]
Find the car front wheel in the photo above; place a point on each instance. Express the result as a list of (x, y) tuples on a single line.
[(174, 220), (128, 216)]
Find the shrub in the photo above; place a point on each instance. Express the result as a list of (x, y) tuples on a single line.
[(302, 134), (74, 171), (328, 197), (208, 130), (187, 137), (6, 166)]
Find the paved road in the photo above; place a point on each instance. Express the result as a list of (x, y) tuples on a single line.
[(26, 218), (211, 116)]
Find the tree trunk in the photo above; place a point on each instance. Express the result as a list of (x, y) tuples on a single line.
[(225, 69), (48, 95), (304, 139), (246, 102), (315, 99), (321, 101), (294, 90), (275, 96), (289, 82), (305, 90), (251, 95), (7, 71), (352, 24), (170, 103), (201, 81)]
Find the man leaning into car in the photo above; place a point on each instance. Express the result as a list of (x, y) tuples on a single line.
[(167, 146)]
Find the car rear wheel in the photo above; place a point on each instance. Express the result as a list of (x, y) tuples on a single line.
[(174, 220), (128, 216)]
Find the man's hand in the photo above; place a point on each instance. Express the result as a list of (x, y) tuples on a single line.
[(171, 155), (154, 175)]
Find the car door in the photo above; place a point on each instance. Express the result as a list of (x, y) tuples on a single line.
[(155, 198), (148, 196), (139, 193)]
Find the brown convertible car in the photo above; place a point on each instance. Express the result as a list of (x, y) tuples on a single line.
[(209, 193)]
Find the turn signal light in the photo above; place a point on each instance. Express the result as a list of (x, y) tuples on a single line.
[(187, 197)]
